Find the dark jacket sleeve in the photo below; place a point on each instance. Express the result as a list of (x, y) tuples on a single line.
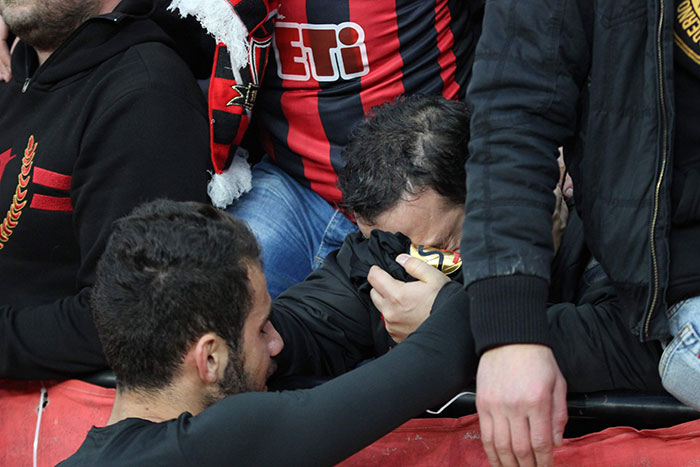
[(328, 322), (144, 143), (531, 63), (326, 424), (324, 322)]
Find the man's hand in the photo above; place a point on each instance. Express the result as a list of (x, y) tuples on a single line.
[(560, 218), (565, 181), (5, 73), (405, 305), (521, 400)]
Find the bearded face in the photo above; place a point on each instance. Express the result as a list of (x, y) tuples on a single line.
[(236, 380), (45, 24)]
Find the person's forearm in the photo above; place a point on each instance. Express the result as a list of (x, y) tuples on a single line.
[(326, 424), (57, 340)]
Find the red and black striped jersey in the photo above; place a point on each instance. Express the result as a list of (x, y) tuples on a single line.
[(336, 59)]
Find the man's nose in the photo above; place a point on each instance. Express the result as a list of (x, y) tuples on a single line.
[(274, 340)]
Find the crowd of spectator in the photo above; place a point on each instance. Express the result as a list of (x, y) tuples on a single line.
[(371, 207)]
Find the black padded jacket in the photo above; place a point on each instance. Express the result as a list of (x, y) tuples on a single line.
[(596, 77)]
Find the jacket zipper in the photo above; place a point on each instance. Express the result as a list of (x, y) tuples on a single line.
[(28, 80), (664, 154)]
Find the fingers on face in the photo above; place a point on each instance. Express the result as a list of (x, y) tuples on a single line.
[(381, 281), (378, 300), (424, 272)]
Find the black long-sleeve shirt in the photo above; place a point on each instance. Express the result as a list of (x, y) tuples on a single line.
[(319, 426)]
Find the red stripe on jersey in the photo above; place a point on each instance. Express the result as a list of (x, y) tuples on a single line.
[(445, 42), (51, 179), (300, 137), (51, 203), (316, 149), (383, 48)]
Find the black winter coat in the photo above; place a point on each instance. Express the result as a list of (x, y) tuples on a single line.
[(596, 77)]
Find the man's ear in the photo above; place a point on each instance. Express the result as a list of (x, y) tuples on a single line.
[(210, 357)]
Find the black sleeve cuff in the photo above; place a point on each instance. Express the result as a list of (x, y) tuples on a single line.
[(509, 310)]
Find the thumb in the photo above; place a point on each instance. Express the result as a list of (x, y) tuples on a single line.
[(421, 270)]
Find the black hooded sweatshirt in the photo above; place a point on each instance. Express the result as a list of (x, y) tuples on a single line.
[(113, 118)]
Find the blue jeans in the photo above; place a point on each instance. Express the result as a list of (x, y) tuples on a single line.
[(680, 363), (295, 227)]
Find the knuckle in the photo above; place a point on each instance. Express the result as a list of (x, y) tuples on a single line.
[(514, 403), (532, 402), (561, 417), (372, 273), (540, 441), (541, 445), (521, 450), (483, 403), (503, 448), (493, 459), (536, 398), (488, 443)]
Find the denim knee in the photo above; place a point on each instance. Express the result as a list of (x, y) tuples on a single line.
[(679, 366), (295, 227)]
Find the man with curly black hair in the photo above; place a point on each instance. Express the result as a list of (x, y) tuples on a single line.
[(182, 308)]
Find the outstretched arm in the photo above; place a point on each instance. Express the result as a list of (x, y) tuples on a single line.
[(326, 424)]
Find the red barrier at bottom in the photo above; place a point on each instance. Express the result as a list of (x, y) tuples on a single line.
[(71, 408), (448, 442)]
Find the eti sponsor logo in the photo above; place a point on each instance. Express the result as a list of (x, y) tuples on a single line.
[(323, 52)]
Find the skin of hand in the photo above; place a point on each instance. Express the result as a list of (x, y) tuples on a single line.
[(5, 73), (560, 218), (521, 401), (405, 305), (568, 187), (565, 181)]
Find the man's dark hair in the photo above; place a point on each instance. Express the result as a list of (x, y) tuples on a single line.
[(170, 273), (403, 148)]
